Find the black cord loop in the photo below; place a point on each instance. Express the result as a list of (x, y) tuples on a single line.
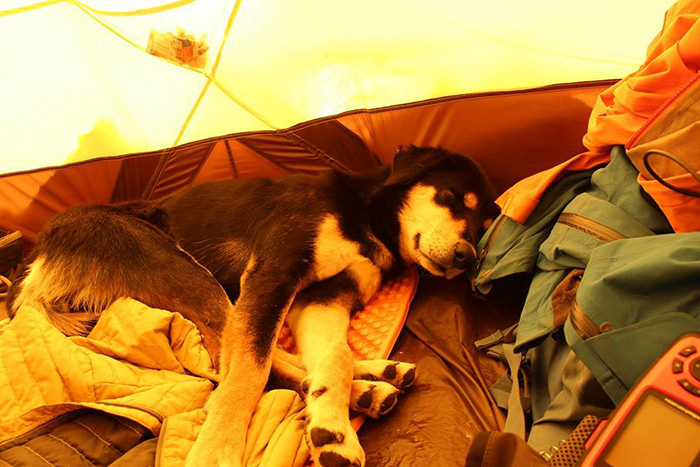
[(693, 173)]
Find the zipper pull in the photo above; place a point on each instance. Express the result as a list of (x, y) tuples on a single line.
[(479, 262), (482, 256)]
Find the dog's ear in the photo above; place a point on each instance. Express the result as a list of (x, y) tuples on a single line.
[(411, 162)]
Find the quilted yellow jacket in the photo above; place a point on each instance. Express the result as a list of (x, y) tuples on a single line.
[(144, 364)]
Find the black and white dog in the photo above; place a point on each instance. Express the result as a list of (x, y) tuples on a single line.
[(309, 248)]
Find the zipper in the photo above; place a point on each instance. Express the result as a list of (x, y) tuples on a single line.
[(152, 412), (657, 113), (590, 227), (159, 443), (584, 326), (484, 251)]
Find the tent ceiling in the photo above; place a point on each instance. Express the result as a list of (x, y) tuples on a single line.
[(78, 83)]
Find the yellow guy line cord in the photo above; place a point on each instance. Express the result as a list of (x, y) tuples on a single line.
[(139, 12)]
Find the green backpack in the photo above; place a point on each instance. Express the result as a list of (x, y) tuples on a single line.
[(606, 267)]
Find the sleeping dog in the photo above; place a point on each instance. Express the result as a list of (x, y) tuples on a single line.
[(311, 249)]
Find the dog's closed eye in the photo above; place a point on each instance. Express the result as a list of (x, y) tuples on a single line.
[(447, 197)]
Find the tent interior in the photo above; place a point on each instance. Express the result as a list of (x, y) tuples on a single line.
[(106, 101)]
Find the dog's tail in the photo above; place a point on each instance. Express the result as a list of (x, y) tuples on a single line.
[(73, 310)]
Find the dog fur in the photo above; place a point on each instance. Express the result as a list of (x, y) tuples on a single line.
[(311, 249)]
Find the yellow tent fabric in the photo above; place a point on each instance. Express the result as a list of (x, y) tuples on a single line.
[(77, 82), (145, 364)]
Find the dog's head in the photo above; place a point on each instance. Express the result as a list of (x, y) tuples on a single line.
[(447, 204)]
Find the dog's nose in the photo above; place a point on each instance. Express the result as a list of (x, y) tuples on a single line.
[(464, 255)]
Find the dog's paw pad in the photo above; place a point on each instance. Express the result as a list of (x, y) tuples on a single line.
[(387, 404), (337, 447), (365, 399), (389, 372), (373, 398), (321, 437), (332, 459), (408, 378), (402, 375), (329, 434), (367, 377)]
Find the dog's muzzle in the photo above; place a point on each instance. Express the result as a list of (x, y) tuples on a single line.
[(464, 255)]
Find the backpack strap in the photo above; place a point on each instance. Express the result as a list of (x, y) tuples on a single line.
[(515, 421), (500, 345)]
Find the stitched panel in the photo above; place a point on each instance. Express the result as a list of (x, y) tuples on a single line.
[(84, 438)]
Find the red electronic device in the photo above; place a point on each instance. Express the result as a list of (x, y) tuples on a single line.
[(658, 422)]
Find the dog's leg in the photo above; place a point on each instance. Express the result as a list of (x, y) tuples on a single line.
[(319, 321), (251, 329)]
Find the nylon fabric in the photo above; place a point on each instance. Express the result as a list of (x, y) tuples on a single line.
[(638, 291), (493, 449), (642, 294), (549, 248), (273, 64), (512, 248), (662, 85), (515, 421), (437, 420), (564, 391)]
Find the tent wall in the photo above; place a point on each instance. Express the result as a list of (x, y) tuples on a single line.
[(78, 82), (512, 134)]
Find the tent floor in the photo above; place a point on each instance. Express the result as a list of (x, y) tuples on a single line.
[(435, 421)]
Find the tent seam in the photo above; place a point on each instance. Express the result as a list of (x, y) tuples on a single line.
[(148, 190), (319, 153), (263, 155), (230, 158), (190, 115), (240, 103), (201, 164)]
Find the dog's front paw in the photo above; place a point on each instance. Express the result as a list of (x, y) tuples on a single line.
[(330, 436), (333, 444), (373, 398), (399, 374)]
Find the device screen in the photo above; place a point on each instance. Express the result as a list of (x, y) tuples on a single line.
[(658, 432)]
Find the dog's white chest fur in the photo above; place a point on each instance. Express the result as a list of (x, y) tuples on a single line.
[(333, 253)]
